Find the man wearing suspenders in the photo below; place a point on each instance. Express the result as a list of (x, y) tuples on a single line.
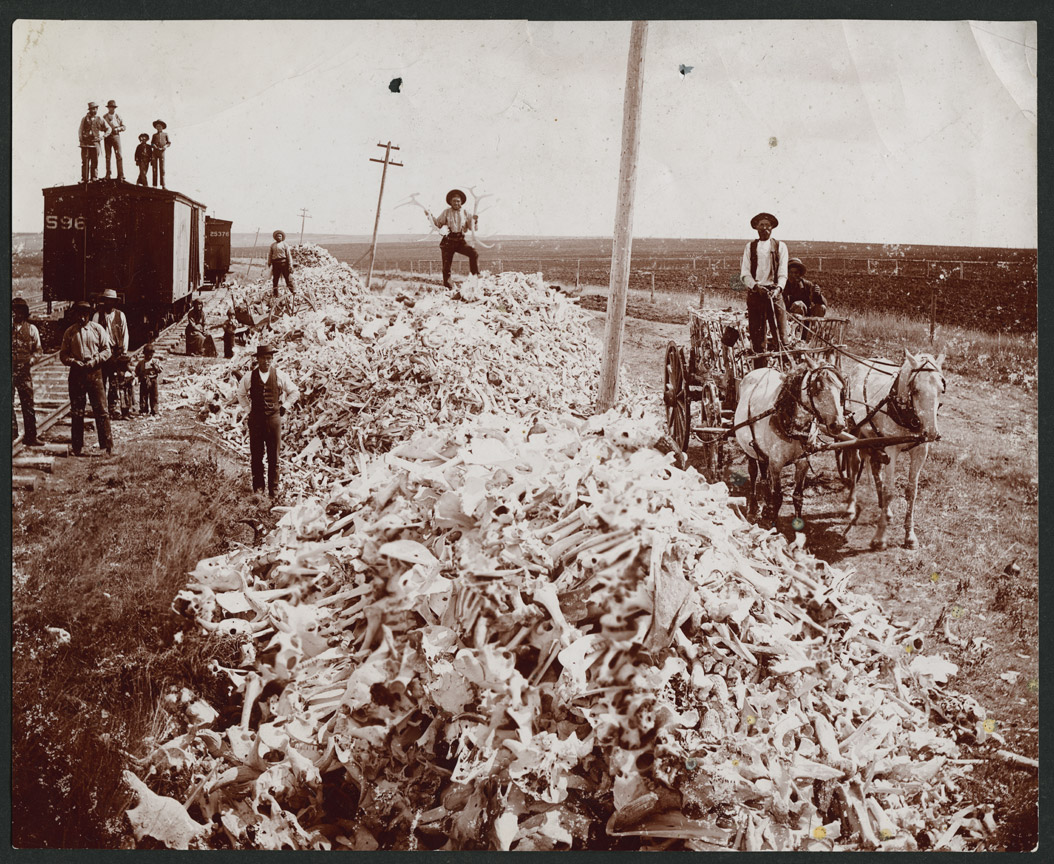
[(764, 272), (266, 392)]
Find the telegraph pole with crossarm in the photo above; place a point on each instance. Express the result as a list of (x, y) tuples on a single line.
[(303, 214), (388, 148)]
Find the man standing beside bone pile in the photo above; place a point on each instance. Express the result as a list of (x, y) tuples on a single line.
[(266, 392)]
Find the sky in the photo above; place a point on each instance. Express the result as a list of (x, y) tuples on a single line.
[(848, 131)]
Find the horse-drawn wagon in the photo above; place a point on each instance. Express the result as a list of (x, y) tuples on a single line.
[(719, 357), (778, 411)]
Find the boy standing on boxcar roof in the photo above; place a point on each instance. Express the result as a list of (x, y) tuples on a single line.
[(143, 156), (159, 144), (266, 392)]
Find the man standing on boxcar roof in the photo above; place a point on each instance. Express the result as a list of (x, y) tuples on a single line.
[(91, 133), (85, 347), (112, 320), (457, 222), (113, 139), (266, 391), (764, 273)]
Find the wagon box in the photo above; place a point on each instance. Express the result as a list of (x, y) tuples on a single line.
[(146, 244)]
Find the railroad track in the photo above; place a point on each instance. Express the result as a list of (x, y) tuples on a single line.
[(52, 404)]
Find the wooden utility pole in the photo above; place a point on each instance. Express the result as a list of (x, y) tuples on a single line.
[(303, 214), (623, 245), (253, 253), (388, 148)]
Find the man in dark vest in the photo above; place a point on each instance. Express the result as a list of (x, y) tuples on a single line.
[(266, 392), (764, 273)]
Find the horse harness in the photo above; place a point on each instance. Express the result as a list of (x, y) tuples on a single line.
[(900, 411), (786, 423)]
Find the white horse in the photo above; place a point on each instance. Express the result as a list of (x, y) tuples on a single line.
[(886, 399), (777, 415)]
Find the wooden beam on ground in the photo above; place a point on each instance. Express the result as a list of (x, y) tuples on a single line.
[(623, 245)]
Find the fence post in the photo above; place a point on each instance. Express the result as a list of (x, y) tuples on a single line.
[(652, 286), (578, 272), (933, 311), (820, 268)]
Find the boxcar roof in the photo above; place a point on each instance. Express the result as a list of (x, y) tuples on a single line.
[(104, 189)]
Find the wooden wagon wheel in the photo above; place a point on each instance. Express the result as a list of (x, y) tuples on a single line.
[(711, 413), (675, 397)]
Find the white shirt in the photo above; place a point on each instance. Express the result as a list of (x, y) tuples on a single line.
[(765, 276), (116, 325)]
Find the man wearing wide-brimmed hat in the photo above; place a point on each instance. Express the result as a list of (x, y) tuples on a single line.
[(113, 138), (159, 143), (280, 260), (25, 343), (764, 273), (266, 392), (457, 222), (113, 321), (802, 297), (90, 134), (85, 347)]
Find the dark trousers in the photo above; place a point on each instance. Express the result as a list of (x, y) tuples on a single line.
[(265, 433), (23, 381), (141, 180), (87, 384), (109, 380), (148, 395), (228, 344), (157, 164), (113, 145), (762, 312), (454, 244), (281, 268), (90, 162)]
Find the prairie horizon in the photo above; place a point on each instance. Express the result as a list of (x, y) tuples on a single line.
[(598, 245)]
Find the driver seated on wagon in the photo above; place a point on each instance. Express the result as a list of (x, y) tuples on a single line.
[(801, 297)]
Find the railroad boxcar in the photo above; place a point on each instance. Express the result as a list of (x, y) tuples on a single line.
[(217, 250), (147, 244)]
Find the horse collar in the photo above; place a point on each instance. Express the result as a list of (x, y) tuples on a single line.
[(902, 411), (786, 421)]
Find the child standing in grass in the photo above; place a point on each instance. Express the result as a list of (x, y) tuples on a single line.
[(147, 371)]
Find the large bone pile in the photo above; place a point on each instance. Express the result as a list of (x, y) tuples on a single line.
[(504, 637), (521, 629), (372, 369)]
